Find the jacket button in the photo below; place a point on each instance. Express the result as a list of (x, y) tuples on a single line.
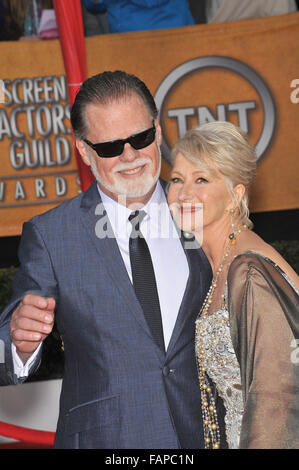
[(165, 371)]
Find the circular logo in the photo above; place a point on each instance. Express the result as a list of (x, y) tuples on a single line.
[(233, 65)]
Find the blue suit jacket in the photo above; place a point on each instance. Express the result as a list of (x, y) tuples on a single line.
[(119, 389)]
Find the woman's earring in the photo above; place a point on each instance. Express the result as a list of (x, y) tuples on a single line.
[(232, 235), (231, 213)]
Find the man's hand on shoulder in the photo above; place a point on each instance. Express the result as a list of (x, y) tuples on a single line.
[(31, 323)]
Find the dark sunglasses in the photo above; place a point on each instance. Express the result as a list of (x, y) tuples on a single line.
[(114, 148)]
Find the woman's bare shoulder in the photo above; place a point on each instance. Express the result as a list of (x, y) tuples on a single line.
[(253, 243)]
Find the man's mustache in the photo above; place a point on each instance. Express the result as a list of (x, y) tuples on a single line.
[(132, 165)]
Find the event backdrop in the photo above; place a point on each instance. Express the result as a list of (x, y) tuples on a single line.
[(245, 72)]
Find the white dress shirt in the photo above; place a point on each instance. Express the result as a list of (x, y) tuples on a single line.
[(20, 369), (168, 257)]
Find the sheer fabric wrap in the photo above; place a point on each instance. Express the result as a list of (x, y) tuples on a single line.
[(264, 322)]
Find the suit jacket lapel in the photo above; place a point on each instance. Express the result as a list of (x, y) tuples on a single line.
[(200, 276)]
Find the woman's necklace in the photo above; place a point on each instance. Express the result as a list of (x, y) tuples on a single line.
[(209, 413)]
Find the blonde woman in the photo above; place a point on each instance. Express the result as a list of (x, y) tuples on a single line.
[(248, 329)]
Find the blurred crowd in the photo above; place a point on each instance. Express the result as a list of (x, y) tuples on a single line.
[(35, 19)]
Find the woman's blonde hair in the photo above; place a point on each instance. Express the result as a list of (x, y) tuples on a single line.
[(229, 149)]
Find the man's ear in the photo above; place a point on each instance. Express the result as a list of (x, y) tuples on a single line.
[(159, 132), (81, 147)]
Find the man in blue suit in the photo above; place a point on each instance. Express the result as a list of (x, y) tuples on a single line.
[(123, 386)]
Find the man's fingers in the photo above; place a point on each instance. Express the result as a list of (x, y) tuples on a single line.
[(31, 322), (51, 303), (25, 347), (38, 301), (26, 328), (25, 323), (34, 313), (20, 336)]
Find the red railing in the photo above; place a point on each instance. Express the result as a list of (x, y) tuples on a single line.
[(25, 437)]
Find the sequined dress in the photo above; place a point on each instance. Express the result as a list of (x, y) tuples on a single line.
[(222, 367), (219, 360)]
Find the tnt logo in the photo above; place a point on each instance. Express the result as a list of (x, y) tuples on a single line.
[(215, 88)]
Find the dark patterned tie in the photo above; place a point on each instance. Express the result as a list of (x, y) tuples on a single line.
[(144, 280)]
